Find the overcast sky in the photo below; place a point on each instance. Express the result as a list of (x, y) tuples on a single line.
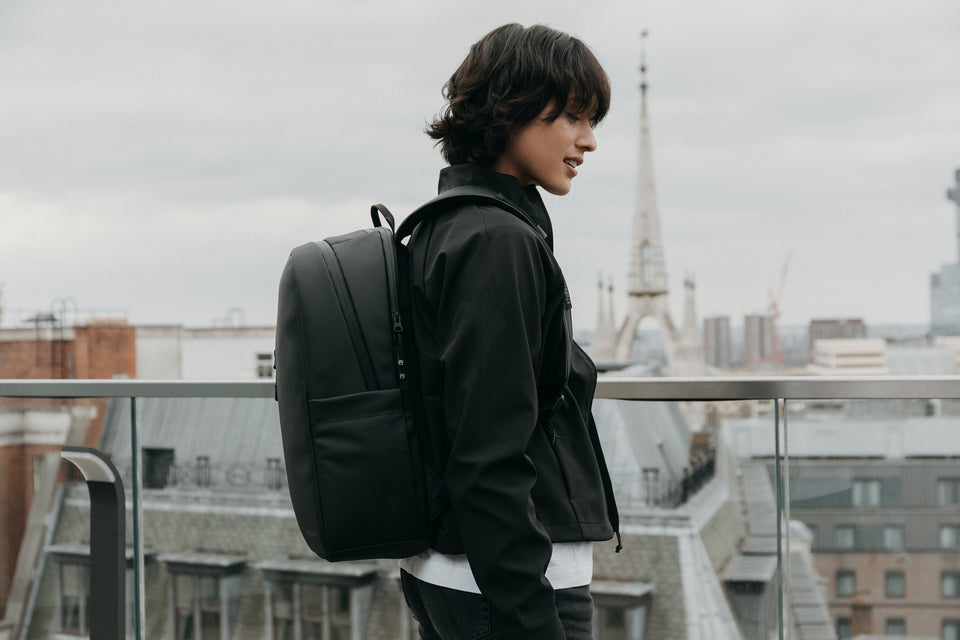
[(163, 158)]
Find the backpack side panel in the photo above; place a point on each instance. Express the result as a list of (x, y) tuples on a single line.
[(292, 380)]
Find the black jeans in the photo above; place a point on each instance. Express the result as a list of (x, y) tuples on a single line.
[(448, 614)]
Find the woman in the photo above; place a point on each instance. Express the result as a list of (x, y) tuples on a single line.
[(506, 393)]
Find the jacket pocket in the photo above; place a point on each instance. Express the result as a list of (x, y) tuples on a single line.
[(569, 442)]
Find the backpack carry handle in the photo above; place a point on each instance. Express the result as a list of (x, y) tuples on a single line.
[(378, 210)]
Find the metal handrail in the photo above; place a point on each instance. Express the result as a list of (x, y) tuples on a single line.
[(773, 388), (698, 389)]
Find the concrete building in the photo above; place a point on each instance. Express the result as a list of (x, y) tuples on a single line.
[(716, 341), (757, 340), (166, 352)]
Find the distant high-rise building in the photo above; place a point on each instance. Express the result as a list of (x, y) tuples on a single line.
[(945, 285), (834, 329), (757, 339), (716, 341), (860, 357)]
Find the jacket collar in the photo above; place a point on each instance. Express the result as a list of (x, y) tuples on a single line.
[(507, 186)]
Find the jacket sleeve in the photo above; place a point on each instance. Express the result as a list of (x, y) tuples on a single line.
[(491, 302)]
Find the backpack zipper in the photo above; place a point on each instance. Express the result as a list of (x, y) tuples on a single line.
[(349, 314), (393, 281)]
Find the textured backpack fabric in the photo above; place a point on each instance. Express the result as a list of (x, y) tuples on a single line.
[(346, 392)]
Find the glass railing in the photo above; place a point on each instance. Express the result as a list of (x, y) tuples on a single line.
[(796, 508)]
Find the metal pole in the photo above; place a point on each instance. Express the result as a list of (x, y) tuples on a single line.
[(137, 482), (786, 516), (776, 457)]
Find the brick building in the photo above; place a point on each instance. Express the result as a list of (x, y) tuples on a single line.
[(31, 428)]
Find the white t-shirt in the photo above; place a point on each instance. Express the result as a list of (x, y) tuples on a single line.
[(571, 565)]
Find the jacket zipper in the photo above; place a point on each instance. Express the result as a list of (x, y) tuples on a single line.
[(552, 434)]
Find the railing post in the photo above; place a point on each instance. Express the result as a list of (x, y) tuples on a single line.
[(107, 541), (779, 491), (137, 482)]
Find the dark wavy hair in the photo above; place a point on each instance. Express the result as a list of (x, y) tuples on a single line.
[(509, 77)]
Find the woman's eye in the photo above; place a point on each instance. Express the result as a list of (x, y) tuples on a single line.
[(573, 117)]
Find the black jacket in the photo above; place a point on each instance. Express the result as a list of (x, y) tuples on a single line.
[(507, 397)]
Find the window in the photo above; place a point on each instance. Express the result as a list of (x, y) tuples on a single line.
[(846, 582), (328, 603), (196, 606), (611, 623), (951, 630), (948, 491), (74, 612), (37, 472), (950, 584), (646, 264), (866, 493), (843, 628), (281, 595), (893, 537), (896, 627), (264, 365), (313, 600), (845, 537), (157, 467), (895, 584), (949, 536), (203, 471), (323, 610), (273, 474), (202, 593)]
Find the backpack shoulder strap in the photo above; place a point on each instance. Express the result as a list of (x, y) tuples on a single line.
[(460, 196)]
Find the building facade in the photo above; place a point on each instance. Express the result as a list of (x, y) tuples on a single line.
[(881, 499), (757, 340)]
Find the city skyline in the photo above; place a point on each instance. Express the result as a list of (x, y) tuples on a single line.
[(164, 160)]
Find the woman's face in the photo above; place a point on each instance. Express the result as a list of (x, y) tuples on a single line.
[(547, 153)]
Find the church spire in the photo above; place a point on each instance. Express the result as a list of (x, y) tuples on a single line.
[(647, 273), (647, 268)]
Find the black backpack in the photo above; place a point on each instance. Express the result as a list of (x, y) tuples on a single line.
[(347, 394)]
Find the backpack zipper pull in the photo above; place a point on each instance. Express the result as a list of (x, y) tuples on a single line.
[(398, 342)]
